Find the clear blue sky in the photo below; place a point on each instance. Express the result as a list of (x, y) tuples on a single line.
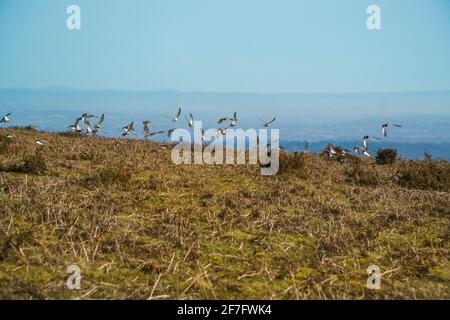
[(226, 45)]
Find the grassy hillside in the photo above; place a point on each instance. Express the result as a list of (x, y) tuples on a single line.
[(140, 227)]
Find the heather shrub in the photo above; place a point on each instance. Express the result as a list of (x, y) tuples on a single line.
[(386, 156)]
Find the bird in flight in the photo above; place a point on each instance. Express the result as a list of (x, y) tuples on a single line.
[(266, 124), (6, 118), (221, 132), (176, 118), (362, 151), (87, 116), (385, 126), (98, 126), (203, 135), (232, 120), (88, 126), (221, 120), (358, 150), (147, 124), (76, 126), (128, 129), (190, 120), (169, 132), (366, 141)]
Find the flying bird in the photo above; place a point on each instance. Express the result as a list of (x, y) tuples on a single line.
[(385, 126), (87, 116), (203, 135), (362, 151), (190, 120), (76, 126), (358, 150), (6, 118), (266, 124), (99, 124), (128, 129), (87, 124), (147, 124), (147, 132), (221, 120), (221, 131), (232, 120), (177, 116), (169, 132), (367, 153), (366, 141)]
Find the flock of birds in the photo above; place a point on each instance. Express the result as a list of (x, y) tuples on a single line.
[(361, 151), (84, 125), (129, 129)]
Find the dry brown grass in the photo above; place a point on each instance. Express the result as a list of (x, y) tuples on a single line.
[(140, 227)]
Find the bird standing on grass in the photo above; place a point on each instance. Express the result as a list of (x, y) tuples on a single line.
[(330, 150), (39, 143), (346, 152)]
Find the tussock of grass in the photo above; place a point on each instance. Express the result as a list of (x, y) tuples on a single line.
[(363, 174), (425, 175), (293, 163), (32, 163), (70, 134), (141, 227), (110, 176)]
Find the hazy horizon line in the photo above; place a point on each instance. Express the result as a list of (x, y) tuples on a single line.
[(73, 89)]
